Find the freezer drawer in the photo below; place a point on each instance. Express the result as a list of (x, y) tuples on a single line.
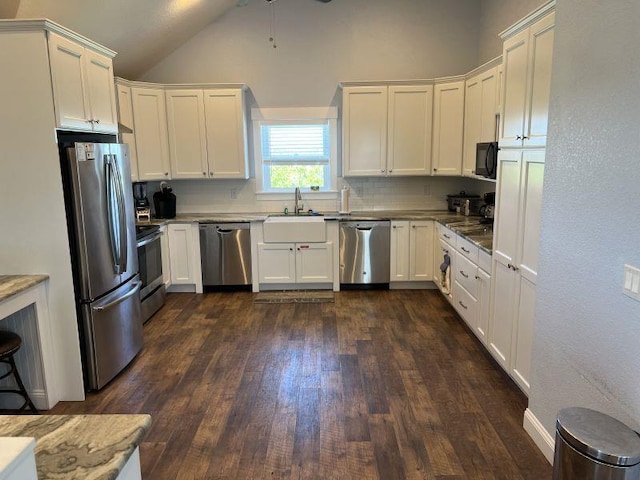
[(112, 333), (225, 252), (364, 252)]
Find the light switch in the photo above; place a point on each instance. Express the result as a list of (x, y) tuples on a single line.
[(631, 286)]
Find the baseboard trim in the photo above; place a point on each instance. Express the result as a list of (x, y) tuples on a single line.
[(539, 435)]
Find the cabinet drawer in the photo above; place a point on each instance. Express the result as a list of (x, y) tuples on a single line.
[(465, 305), (447, 235), (465, 274), (484, 261), (468, 249)]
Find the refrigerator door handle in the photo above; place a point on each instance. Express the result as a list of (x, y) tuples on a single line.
[(111, 198), (130, 293), (122, 216)]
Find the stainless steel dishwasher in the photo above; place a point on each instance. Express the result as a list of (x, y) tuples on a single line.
[(364, 252), (225, 250)]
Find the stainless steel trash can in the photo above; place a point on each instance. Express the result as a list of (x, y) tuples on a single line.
[(593, 446)]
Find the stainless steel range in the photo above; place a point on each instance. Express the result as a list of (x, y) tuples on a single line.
[(152, 291)]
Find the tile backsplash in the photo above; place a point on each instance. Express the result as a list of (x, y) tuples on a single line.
[(367, 193)]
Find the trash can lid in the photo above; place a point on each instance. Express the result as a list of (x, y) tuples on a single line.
[(599, 436)]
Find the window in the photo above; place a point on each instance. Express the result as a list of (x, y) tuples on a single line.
[(295, 147)]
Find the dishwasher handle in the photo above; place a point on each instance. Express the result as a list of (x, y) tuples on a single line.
[(223, 231)]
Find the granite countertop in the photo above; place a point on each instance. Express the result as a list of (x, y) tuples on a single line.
[(82, 447), (466, 226), (11, 285)]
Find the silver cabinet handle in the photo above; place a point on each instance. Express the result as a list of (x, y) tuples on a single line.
[(465, 250), (464, 274), (97, 121), (211, 174), (477, 277), (446, 236), (204, 173), (463, 305)]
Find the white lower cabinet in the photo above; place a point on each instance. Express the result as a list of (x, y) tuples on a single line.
[(166, 256), (295, 262), (500, 328), (523, 335), (411, 251), (484, 304), (184, 247)]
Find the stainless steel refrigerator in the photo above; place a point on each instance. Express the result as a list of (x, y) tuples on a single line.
[(100, 214)]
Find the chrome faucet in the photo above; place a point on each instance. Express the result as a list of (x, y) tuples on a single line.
[(298, 197)]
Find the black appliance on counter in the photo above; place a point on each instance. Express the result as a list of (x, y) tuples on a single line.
[(488, 209), (456, 202), (164, 202), (487, 159), (141, 201)]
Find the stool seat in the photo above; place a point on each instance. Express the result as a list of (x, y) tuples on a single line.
[(10, 343)]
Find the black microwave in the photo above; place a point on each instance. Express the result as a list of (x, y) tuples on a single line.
[(487, 159)]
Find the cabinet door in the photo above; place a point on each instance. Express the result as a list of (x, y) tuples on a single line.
[(505, 230), (531, 185), (181, 246), (125, 117), (448, 128), (539, 88), (420, 248), (364, 131), (187, 136), (501, 324), (515, 55), (277, 262), (71, 98), (226, 133), (484, 305), (472, 123), (410, 119), (399, 245), (314, 262), (150, 127), (489, 106), (100, 85), (523, 335), (166, 256)]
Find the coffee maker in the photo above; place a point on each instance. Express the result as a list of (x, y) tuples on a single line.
[(141, 202), (487, 210)]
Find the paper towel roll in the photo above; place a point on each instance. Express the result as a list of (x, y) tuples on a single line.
[(344, 200)]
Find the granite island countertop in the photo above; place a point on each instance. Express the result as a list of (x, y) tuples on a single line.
[(466, 226), (11, 285), (82, 447)]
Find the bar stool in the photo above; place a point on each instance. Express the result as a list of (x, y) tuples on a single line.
[(9, 344)]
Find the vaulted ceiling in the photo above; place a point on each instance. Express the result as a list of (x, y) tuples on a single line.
[(143, 32)]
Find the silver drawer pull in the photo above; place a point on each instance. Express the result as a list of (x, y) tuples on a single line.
[(464, 274), (445, 235), (465, 250), (462, 305)]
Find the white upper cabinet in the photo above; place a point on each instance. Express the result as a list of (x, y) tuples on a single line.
[(125, 116), (226, 133), (409, 130), (150, 129), (187, 133), (83, 85), (527, 57), (387, 130), (364, 124), (448, 126), (480, 121)]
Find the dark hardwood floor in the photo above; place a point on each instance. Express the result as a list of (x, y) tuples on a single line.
[(378, 385)]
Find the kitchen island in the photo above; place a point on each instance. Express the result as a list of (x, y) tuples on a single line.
[(83, 447)]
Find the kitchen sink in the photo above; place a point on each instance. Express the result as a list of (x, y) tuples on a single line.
[(294, 229)]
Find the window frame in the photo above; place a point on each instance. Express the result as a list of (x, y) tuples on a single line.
[(271, 116)]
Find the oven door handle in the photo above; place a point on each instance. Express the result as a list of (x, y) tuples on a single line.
[(149, 239)]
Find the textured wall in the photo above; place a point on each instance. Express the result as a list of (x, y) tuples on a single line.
[(496, 16), (586, 342), (322, 44)]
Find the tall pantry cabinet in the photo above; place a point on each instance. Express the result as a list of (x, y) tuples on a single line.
[(527, 57)]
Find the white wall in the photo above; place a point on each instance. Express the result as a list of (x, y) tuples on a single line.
[(587, 332), (33, 223), (381, 193), (320, 45), (496, 16)]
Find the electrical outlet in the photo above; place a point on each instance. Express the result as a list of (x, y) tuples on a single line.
[(427, 190), (631, 286), (233, 193)]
